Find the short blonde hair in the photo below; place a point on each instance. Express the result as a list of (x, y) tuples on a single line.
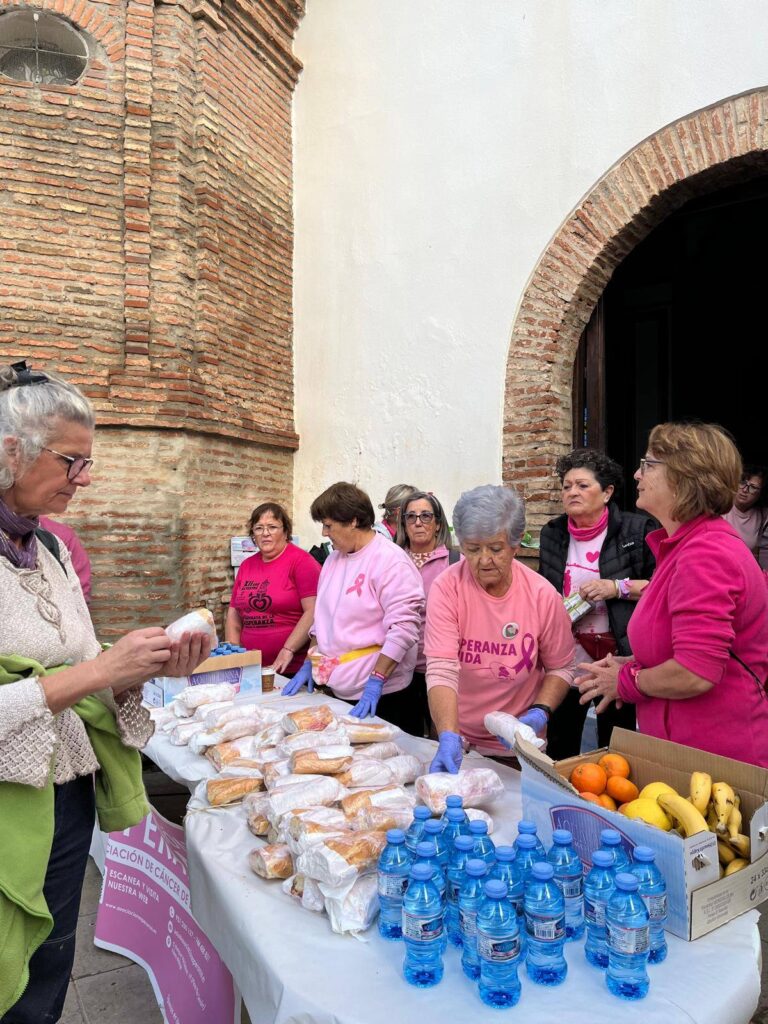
[(703, 467)]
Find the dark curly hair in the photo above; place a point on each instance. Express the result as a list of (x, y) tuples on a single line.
[(755, 469), (607, 472)]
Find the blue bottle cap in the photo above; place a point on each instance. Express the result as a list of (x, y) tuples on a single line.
[(644, 854), (627, 882), (562, 837), (426, 849), (496, 889), (506, 853), (610, 837), (455, 814), (433, 827), (454, 801), (464, 843), (526, 842), (395, 835), (421, 872), (526, 827), (477, 868), (602, 859), (421, 813), (542, 872), (478, 828)]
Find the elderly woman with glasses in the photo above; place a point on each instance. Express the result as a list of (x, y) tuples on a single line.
[(497, 636), (273, 600), (699, 634), (749, 513), (71, 717)]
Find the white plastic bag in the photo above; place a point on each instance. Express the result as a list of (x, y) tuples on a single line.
[(339, 860), (405, 768), (198, 621), (206, 693), (476, 786), (356, 911), (317, 791), (378, 751), (499, 723), (368, 773), (365, 731), (312, 740)]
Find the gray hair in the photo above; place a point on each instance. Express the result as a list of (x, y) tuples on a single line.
[(29, 414), (485, 511), (396, 495)]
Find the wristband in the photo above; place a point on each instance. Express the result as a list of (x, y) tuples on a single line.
[(623, 588), (378, 675), (627, 683), (290, 650), (542, 707)]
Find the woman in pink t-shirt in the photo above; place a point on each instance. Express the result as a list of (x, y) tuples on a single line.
[(273, 600), (497, 636)]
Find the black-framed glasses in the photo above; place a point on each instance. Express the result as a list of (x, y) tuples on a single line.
[(745, 485), (645, 463), (419, 517), (75, 463)]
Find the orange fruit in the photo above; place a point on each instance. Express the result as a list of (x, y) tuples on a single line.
[(591, 797), (622, 808), (589, 778), (615, 764), (621, 789), (606, 801)]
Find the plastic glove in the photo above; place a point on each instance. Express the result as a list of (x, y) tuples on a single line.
[(535, 718), (304, 675), (366, 706), (449, 754)]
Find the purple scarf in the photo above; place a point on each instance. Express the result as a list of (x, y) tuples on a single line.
[(12, 527)]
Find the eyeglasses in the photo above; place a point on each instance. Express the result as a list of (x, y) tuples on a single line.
[(645, 463), (76, 464), (745, 485), (419, 517), (266, 529)]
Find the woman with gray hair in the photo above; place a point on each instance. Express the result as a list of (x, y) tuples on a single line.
[(497, 635), (67, 708)]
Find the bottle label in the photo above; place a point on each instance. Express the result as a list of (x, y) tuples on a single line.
[(498, 949), (468, 922), (628, 940), (422, 929), (571, 887), (594, 912), (392, 886), (656, 906), (545, 928)]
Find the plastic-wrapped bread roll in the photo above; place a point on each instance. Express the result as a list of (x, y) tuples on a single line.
[(324, 761), (206, 693), (240, 752), (356, 911), (182, 711), (379, 751), (312, 740), (235, 710), (476, 786), (292, 780), (367, 773), (307, 890), (161, 716), (267, 755), (271, 861), (313, 719), (255, 806), (209, 713), (379, 819), (406, 768), (313, 793), (198, 621), (315, 819), (363, 731), (387, 796), (229, 791), (339, 860), (183, 732), (499, 723), (276, 770)]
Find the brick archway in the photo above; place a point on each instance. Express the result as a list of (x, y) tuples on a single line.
[(715, 147)]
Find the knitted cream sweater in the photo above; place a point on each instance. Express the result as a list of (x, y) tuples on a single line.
[(43, 615)]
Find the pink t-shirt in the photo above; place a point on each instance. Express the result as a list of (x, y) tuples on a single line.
[(81, 563), (268, 596), (504, 645), (582, 566)]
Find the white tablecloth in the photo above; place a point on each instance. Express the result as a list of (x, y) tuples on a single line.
[(292, 969)]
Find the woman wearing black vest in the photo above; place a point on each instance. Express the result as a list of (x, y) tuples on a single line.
[(596, 550)]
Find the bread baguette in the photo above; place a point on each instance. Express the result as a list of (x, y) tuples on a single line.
[(271, 861), (229, 791)]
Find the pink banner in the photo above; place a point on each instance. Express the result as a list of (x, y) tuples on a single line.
[(144, 913)]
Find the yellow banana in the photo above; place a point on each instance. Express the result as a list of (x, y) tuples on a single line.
[(723, 797), (701, 790), (722, 869), (741, 845), (736, 865), (734, 818), (711, 818), (724, 852), (683, 813)]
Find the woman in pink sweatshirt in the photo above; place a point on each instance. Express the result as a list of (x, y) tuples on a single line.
[(369, 605), (700, 631)]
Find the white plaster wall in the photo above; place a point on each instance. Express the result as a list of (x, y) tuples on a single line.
[(439, 144)]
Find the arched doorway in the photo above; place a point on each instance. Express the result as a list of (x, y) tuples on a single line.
[(712, 151)]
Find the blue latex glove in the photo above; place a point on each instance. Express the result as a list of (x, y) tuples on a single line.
[(449, 754), (304, 675), (366, 706), (536, 718)]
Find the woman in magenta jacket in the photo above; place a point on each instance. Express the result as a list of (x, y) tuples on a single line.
[(700, 630)]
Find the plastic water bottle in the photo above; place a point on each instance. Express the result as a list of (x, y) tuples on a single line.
[(470, 897), (528, 828), (454, 803), (484, 848), (393, 877), (545, 923), (610, 840), (653, 890), (426, 854), (526, 856), (569, 875), (498, 947), (433, 833), (627, 924), (422, 929), (507, 871), (456, 823), (454, 879), (416, 828), (599, 886)]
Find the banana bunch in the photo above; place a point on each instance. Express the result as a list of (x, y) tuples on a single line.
[(720, 808)]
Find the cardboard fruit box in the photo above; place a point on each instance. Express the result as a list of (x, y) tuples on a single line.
[(243, 670), (698, 899)]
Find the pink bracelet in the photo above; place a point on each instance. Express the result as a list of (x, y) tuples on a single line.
[(378, 675), (624, 587)]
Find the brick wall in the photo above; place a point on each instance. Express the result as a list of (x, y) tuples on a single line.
[(146, 255), (712, 148)]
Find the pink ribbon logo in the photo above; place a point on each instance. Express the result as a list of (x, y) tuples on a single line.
[(527, 646), (357, 586)]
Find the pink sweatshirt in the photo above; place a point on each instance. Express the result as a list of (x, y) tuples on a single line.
[(502, 646), (436, 564), (373, 596), (706, 598), (81, 563)]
